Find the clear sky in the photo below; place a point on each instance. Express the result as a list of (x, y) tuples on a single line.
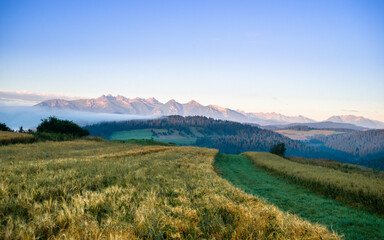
[(315, 58)]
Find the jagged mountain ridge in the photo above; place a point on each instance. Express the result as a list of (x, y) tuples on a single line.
[(152, 107), (357, 120)]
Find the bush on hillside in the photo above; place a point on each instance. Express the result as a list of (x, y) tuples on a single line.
[(278, 149), (53, 125)]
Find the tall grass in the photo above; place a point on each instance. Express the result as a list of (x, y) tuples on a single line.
[(352, 188), (103, 190), (354, 224), (15, 137), (344, 167)]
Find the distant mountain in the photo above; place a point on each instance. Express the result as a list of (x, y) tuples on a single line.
[(277, 117), (106, 104), (317, 125), (357, 120), (152, 107)]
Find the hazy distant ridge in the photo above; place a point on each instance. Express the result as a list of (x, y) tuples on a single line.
[(152, 107), (357, 120)]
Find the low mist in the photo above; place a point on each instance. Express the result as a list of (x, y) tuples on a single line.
[(30, 117)]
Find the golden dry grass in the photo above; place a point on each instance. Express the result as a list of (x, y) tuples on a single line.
[(111, 190), (15, 137), (305, 135)]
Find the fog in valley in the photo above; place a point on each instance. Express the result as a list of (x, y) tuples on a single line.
[(30, 116)]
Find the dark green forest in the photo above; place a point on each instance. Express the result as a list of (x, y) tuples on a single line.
[(359, 143)]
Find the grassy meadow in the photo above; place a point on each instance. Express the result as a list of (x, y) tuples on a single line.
[(15, 137), (293, 198), (111, 190), (353, 188), (175, 137), (344, 167), (305, 135)]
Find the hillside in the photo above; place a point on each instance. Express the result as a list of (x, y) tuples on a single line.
[(326, 125), (353, 223), (112, 190), (227, 136), (360, 143)]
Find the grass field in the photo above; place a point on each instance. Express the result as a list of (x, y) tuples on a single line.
[(355, 189), (15, 137), (353, 223), (133, 134), (344, 167), (305, 135), (147, 134), (111, 190)]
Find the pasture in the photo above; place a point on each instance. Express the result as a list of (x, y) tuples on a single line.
[(305, 135), (356, 189), (289, 197), (7, 137), (87, 189), (161, 135)]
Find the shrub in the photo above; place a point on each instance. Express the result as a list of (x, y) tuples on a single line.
[(55, 125), (4, 127), (278, 149)]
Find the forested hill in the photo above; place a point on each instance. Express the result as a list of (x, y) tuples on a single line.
[(360, 143), (227, 136)]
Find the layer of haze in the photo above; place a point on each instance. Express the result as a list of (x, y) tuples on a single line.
[(312, 58)]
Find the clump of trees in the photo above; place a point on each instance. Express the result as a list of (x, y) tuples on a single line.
[(278, 149), (4, 127), (57, 126)]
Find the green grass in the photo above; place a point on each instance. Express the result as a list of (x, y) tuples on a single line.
[(147, 134), (344, 167), (305, 135), (353, 188), (118, 190), (144, 142), (353, 223), (132, 134), (186, 141)]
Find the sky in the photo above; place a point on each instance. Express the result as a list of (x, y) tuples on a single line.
[(311, 58)]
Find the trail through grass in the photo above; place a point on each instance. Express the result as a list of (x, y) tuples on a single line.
[(354, 224), (357, 190), (118, 190)]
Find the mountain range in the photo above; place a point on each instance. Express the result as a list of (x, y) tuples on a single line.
[(152, 107), (356, 120)]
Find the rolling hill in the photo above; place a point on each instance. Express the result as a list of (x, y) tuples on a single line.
[(326, 125), (360, 143), (227, 136)]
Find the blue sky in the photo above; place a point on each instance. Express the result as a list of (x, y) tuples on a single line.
[(312, 58)]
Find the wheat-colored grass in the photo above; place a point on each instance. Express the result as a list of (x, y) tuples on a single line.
[(15, 137), (353, 188), (111, 190)]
